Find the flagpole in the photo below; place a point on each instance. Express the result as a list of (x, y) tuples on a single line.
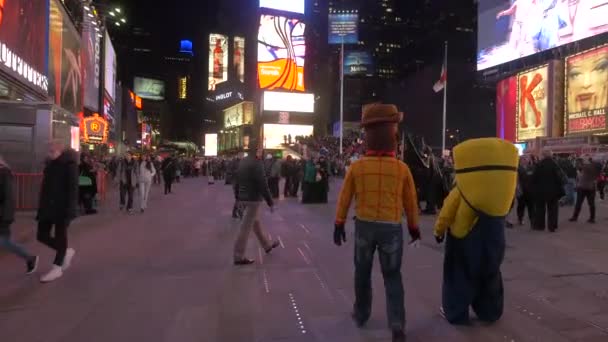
[(445, 99)]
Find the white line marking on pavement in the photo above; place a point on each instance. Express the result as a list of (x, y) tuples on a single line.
[(294, 305), (260, 254), (304, 256), (266, 284), (280, 241), (307, 247), (305, 229)]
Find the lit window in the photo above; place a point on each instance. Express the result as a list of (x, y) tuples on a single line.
[(182, 88)]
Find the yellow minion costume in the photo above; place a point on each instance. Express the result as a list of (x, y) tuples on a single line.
[(383, 189), (473, 215)]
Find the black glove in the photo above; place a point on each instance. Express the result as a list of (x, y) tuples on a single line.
[(339, 234), (414, 234), (439, 239)]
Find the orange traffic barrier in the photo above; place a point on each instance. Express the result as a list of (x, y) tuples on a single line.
[(27, 190)]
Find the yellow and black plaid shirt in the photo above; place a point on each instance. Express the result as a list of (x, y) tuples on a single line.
[(383, 188)]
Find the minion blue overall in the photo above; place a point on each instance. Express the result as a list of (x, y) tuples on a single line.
[(473, 216)]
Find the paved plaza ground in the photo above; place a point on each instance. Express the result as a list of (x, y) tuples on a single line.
[(167, 276)]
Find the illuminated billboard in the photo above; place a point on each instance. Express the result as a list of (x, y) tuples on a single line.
[(218, 60), (64, 60), (506, 108), (358, 63), (91, 63), (110, 68), (238, 58), (343, 28), (289, 102), (274, 134), (281, 53), (532, 104), (295, 6), (148, 88), (23, 37), (508, 30), (237, 115), (210, 145), (587, 92)]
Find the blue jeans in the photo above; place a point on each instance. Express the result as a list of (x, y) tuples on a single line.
[(8, 244), (387, 238), (570, 189)]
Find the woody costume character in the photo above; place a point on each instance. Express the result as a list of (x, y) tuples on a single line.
[(473, 219), (383, 188)]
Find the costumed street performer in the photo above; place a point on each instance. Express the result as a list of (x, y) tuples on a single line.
[(383, 187), (473, 215)]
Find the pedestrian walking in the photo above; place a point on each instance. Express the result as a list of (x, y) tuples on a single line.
[(87, 184), (525, 199), (169, 170), (383, 188), (7, 216), (252, 188), (472, 223), (58, 205), (126, 173), (147, 172), (157, 167), (549, 182), (585, 189)]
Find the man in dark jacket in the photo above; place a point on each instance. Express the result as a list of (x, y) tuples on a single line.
[(525, 199), (252, 188), (548, 181), (7, 216), (126, 174), (58, 206), (587, 174)]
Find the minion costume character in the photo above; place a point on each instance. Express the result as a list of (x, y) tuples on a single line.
[(473, 215), (383, 188)]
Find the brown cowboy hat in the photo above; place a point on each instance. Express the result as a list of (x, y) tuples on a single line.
[(379, 113)]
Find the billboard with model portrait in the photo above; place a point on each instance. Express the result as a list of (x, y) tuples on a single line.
[(512, 29), (65, 75), (91, 67), (532, 104), (110, 68), (587, 92), (218, 60), (281, 53), (238, 58), (23, 38)]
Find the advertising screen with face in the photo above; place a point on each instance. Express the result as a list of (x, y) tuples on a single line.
[(512, 29), (532, 103), (218, 60), (587, 91), (210, 145), (238, 58), (23, 37), (110, 66), (275, 134), (294, 6), (148, 88), (64, 60), (90, 59), (281, 53)]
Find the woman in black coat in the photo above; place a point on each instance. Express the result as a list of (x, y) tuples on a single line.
[(7, 216), (87, 184)]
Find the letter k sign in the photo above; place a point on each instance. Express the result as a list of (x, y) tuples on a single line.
[(526, 96)]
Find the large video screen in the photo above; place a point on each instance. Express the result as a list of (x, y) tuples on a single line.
[(343, 28), (23, 37), (289, 102), (274, 134), (587, 92), (512, 29), (110, 68), (295, 6), (281, 53), (148, 88), (218, 60), (532, 103)]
